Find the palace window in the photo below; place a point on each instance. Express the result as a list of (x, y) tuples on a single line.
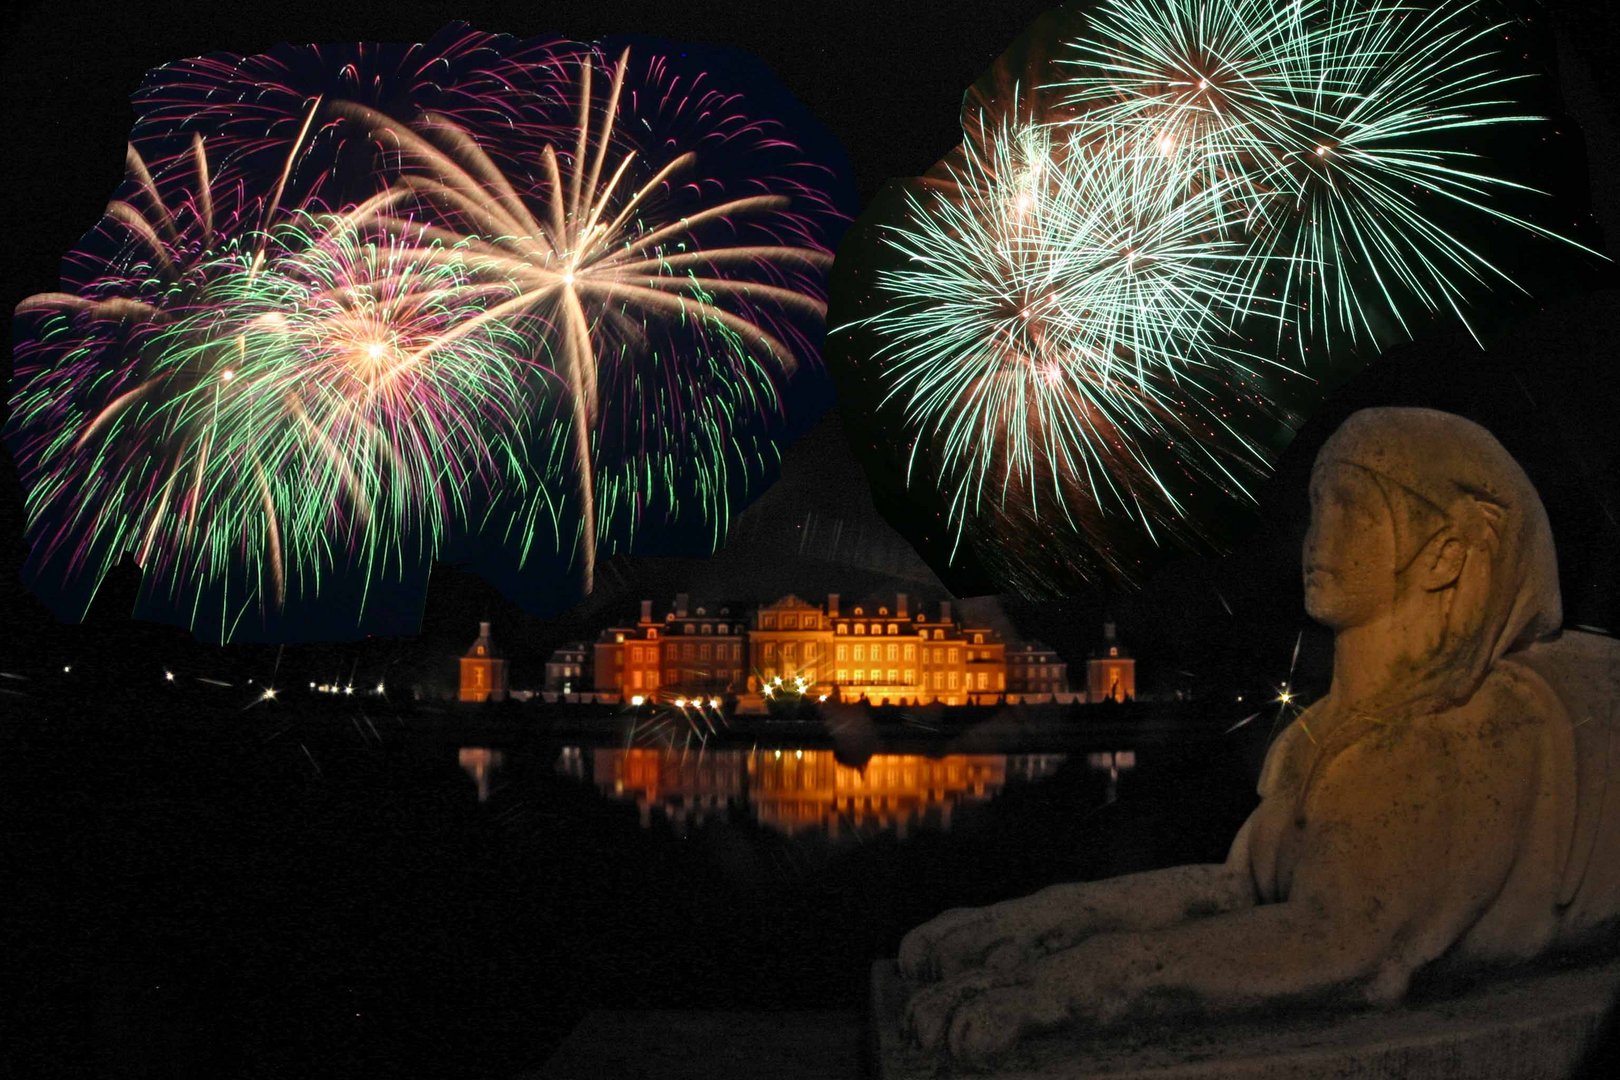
[(843, 652), (704, 652), (842, 629), (911, 652), (911, 676), (860, 628), (894, 676)]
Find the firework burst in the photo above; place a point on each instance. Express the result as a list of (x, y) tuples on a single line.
[(539, 265), (255, 111), (241, 406), (675, 307), (1055, 306), (1342, 127), (1065, 312)]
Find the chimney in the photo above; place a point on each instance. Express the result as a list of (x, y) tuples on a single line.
[(832, 605), (944, 611), (681, 601), (483, 631), (646, 611), (1108, 631), (900, 605)]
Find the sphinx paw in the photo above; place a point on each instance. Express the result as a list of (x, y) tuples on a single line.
[(984, 1029), (929, 1012)]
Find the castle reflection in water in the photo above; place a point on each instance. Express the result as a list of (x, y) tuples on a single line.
[(801, 791)]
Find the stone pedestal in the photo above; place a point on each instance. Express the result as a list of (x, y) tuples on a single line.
[(1534, 1026)]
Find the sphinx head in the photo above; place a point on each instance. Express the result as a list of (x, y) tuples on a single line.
[(1422, 522)]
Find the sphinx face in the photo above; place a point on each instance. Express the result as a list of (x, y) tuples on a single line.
[(1349, 557)]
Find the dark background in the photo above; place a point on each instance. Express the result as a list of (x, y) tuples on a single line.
[(887, 79), (141, 851)]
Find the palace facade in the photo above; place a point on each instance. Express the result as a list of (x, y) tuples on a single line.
[(879, 651)]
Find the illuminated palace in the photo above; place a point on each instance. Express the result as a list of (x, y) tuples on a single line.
[(876, 652)]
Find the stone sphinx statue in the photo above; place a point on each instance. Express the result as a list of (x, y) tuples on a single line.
[(1452, 803)]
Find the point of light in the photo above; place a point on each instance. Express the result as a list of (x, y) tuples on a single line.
[(227, 375), (638, 700), (680, 703), (269, 694)]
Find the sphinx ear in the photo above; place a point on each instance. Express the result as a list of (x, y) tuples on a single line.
[(1441, 562)]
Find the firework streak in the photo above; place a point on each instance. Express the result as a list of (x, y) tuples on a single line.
[(353, 301), (1157, 213)]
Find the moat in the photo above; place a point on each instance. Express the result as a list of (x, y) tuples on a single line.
[(380, 898)]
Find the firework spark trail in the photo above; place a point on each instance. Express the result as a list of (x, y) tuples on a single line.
[(1050, 319), (237, 405), (1067, 314), (540, 263), (617, 248), (1342, 128), (251, 107)]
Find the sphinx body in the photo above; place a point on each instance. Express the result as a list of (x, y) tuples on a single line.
[(1453, 802)]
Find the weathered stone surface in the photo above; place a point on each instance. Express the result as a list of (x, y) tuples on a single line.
[(1537, 1026), (1452, 804)]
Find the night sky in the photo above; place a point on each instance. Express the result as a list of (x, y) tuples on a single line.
[(886, 80)]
